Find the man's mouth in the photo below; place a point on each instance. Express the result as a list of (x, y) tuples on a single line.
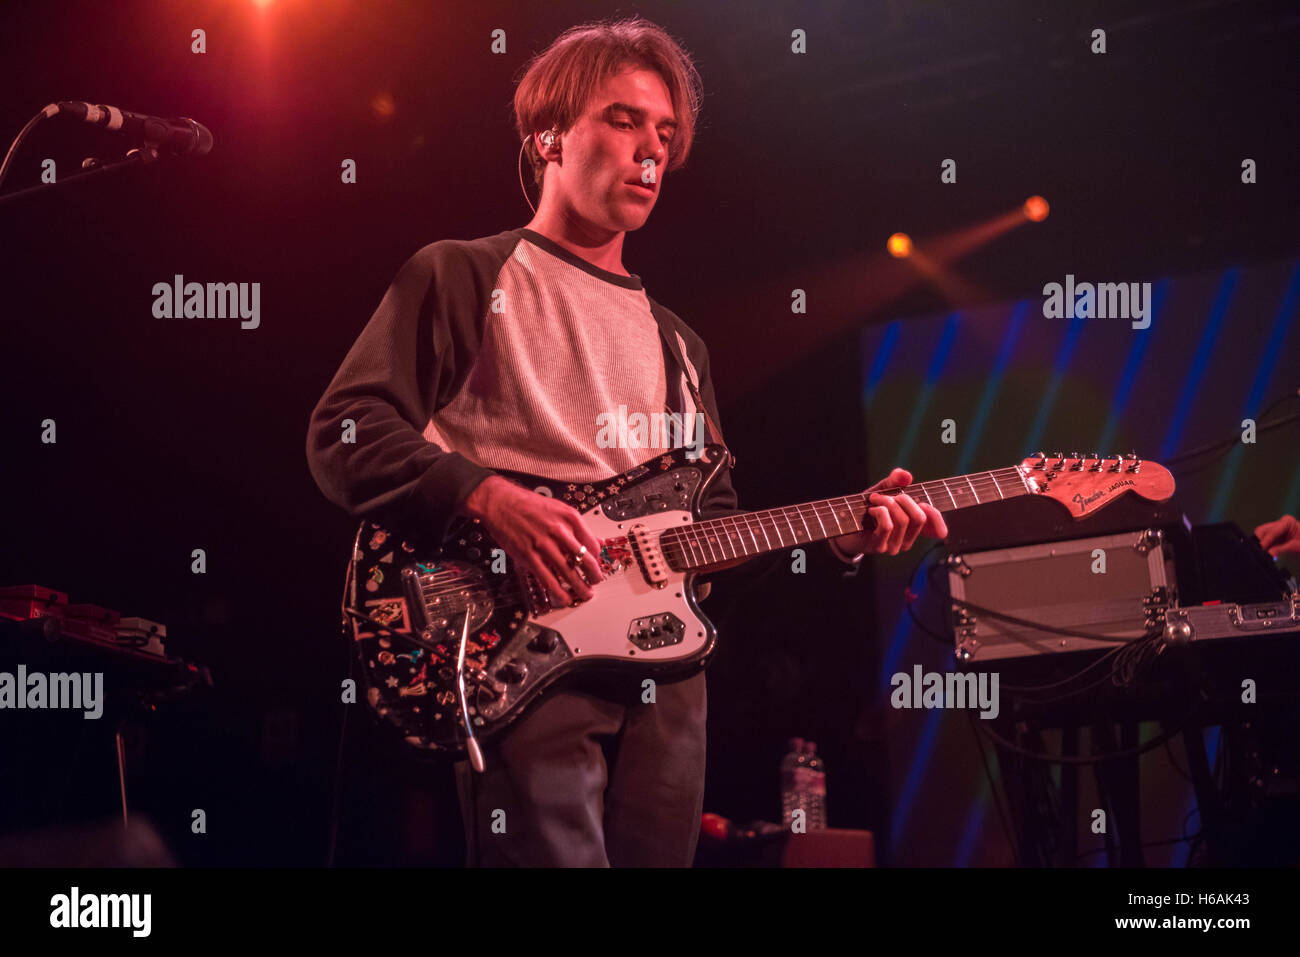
[(646, 188)]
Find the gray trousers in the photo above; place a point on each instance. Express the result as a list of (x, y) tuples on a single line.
[(592, 777)]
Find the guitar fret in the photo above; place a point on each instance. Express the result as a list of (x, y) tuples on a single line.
[(689, 536), (735, 537), (740, 536), (952, 498), (839, 527), (705, 546), (730, 541)]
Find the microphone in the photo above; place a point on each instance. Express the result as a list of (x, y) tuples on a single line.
[(179, 136)]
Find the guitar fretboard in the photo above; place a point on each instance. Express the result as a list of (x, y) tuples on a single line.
[(749, 534)]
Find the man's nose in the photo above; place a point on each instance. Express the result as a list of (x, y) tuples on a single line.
[(653, 150)]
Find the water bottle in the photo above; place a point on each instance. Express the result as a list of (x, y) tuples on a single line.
[(815, 799), (794, 782)]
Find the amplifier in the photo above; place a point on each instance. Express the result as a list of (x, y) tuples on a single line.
[(1116, 586), (1217, 620)]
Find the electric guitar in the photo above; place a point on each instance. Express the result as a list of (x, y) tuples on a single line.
[(457, 640)]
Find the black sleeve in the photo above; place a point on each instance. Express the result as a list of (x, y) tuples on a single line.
[(408, 361)]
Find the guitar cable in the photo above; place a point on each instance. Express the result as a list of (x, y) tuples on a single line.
[(336, 803), (471, 742), (1129, 653), (1220, 448)]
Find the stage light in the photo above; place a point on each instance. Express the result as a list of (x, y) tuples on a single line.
[(1036, 209), (900, 245), (383, 105)]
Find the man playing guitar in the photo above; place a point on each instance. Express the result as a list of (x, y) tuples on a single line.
[(501, 353)]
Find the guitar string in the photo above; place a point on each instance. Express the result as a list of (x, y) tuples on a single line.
[(688, 540), (693, 536), (675, 536), (685, 542)]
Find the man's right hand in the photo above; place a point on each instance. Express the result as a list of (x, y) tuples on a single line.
[(542, 533)]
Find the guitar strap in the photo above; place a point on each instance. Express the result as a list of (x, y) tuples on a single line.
[(669, 336)]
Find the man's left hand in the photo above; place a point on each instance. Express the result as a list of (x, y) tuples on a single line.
[(899, 520)]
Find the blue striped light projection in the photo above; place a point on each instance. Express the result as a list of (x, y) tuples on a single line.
[(1219, 348)]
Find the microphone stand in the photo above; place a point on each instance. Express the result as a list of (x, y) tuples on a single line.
[(137, 157)]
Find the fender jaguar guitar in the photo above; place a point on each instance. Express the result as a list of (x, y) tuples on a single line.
[(456, 641)]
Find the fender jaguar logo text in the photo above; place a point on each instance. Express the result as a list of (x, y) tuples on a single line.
[(1083, 503)]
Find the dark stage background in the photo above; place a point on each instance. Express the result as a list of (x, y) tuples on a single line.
[(182, 434)]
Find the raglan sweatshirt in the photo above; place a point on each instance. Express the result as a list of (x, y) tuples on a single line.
[(501, 353)]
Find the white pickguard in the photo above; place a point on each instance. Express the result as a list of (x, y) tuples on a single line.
[(598, 628)]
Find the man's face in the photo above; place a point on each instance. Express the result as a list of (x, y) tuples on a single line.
[(602, 176)]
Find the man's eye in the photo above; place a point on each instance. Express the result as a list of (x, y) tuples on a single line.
[(623, 124)]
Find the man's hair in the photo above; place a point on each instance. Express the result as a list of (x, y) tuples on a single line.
[(558, 82)]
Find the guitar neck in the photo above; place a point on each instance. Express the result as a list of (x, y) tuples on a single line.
[(750, 534)]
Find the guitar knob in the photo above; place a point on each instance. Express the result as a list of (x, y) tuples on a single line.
[(512, 672), (545, 642)]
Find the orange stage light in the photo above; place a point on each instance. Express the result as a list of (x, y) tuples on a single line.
[(1036, 209), (900, 245)]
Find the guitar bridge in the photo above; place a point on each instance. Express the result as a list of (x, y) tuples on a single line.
[(649, 556)]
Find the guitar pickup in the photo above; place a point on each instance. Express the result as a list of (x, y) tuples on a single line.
[(656, 631)]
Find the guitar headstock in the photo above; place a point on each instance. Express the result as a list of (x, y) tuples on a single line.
[(1084, 484)]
